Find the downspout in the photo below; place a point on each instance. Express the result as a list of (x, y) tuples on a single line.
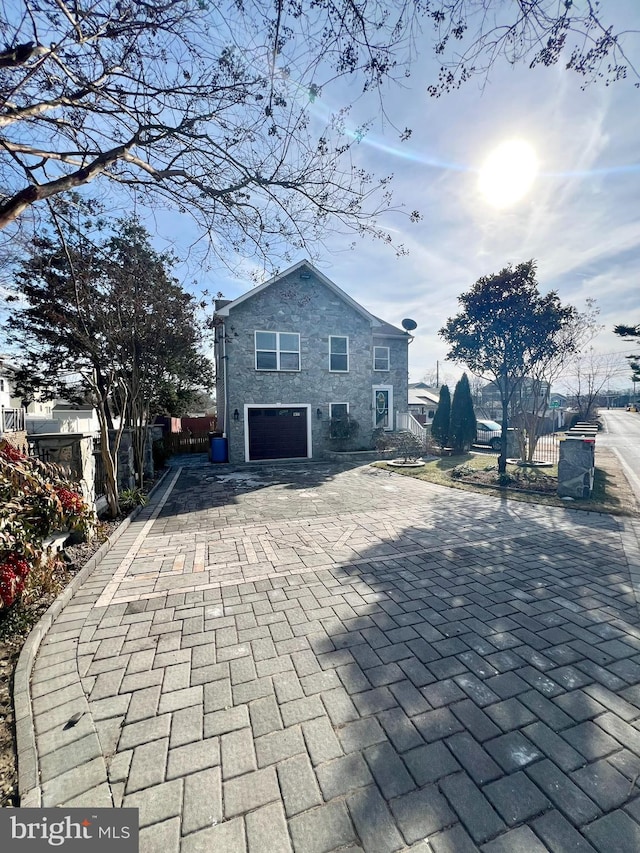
[(224, 379)]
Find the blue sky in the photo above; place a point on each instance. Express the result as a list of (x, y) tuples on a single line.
[(580, 219)]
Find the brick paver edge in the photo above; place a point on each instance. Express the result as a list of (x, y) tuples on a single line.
[(29, 790), (630, 538)]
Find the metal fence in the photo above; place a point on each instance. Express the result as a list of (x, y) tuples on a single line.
[(38, 452), (99, 477), (547, 449)]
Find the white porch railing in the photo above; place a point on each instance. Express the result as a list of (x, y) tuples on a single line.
[(11, 420), (406, 421)]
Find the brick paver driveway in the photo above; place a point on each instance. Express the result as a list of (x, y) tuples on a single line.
[(312, 659)]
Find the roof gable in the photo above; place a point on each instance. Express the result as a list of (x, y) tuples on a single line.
[(306, 266)]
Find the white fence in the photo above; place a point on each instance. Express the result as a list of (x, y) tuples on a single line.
[(406, 421), (11, 420)]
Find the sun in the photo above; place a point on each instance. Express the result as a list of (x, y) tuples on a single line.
[(508, 173)]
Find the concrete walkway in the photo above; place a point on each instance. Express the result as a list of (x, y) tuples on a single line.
[(309, 658)]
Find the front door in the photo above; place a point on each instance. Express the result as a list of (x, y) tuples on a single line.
[(383, 407)]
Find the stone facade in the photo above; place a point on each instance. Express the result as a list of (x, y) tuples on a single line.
[(126, 467), (303, 301), (73, 452), (576, 467)]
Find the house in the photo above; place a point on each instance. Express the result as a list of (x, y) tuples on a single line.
[(527, 397), (295, 353), (423, 402), (12, 414)]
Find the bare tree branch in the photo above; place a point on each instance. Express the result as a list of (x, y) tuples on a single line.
[(210, 108)]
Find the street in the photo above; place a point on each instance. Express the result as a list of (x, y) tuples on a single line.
[(622, 435)]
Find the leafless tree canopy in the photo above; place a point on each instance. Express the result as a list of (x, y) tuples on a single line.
[(474, 34), (203, 106), (211, 108)]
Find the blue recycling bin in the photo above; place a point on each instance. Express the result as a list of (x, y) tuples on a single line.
[(219, 449)]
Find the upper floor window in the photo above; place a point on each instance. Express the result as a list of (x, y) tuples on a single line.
[(381, 358), (277, 351), (338, 354)]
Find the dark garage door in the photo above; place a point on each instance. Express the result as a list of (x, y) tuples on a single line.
[(277, 433)]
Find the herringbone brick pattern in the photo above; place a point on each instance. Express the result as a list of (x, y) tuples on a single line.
[(311, 660)]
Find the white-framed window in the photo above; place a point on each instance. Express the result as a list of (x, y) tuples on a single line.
[(381, 358), (338, 420), (338, 410), (338, 354), (277, 350)]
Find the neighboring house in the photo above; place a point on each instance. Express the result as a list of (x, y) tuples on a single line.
[(295, 352), (39, 416), (489, 406), (423, 402), (12, 414)]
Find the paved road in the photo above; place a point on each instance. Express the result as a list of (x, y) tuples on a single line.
[(622, 435), (309, 659)]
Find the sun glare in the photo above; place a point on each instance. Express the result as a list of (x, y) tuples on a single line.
[(508, 173)]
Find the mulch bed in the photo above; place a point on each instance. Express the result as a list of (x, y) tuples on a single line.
[(521, 480)]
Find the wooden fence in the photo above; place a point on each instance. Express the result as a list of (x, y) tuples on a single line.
[(185, 442)]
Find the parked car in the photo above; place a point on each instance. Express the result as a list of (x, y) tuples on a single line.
[(489, 433), (633, 407)]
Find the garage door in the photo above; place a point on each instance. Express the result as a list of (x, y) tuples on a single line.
[(277, 433)]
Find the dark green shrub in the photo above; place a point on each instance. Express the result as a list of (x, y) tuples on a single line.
[(442, 418), (129, 499), (463, 426)]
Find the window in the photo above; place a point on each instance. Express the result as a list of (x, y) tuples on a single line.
[(340, 425), (277, 351), (338, 354), (381, 358), (338, 410)]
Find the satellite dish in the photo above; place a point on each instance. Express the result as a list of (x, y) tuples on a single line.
[(409, 325)]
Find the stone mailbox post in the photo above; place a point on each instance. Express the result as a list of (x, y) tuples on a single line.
[(576, 466)]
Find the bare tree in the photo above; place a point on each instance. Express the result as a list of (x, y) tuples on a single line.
[(532, 398), (206, 108), (210, 108), (473, 34), (588, 376)]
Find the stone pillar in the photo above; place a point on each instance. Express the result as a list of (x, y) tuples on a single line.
[(87, 464), (147, 457), (576, 467), (126, 472), (513, 445)]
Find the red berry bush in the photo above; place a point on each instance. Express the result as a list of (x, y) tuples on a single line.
[(36, 499)]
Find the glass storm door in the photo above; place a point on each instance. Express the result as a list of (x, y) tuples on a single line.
[(383, 407)]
